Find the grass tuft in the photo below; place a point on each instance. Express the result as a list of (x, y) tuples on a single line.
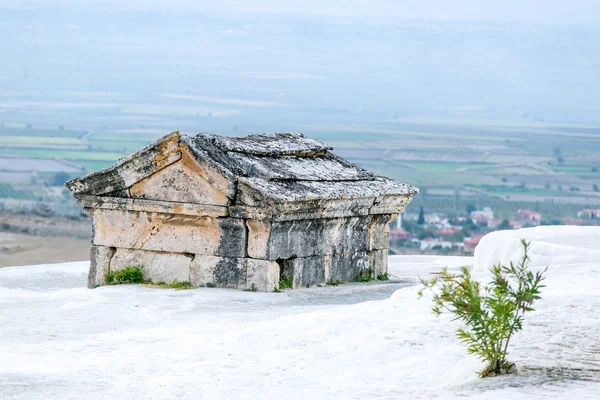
[(383, 277), (184, 285), (365, 275), (286, 282), (125, 276)]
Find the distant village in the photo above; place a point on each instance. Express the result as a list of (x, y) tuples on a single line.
[(438, 234)]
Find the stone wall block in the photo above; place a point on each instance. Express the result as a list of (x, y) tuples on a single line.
[(202, 270), (230, 273), (258, 238), (100, 257), (169, 232), (378, 261), (345, 267), (305, 238), (261, 275), (379, 231), (156, 266)]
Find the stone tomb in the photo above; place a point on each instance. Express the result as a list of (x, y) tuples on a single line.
[(239, 212)]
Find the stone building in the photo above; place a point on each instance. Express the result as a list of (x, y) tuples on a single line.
[(239, 212)]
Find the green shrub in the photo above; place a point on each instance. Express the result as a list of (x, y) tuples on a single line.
[(492, 313), (124, 276), (335, 283), (286, 282)]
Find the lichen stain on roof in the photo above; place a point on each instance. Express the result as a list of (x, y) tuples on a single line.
[(273, 145)]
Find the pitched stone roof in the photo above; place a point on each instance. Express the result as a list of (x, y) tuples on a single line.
[(281, 167)]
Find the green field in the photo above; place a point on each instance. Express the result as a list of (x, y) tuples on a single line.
[(493, 161), (437, 166), (8, 191), (24, 132), (69, 155)]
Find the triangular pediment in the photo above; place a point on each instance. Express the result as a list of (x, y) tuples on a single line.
[(184, 181)]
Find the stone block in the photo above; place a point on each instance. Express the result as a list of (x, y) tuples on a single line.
[(392, 204), (156, 266), (169, 232), (100, 257), (379, 231), (304, 238), (223, 272), (378, 262), (345, 267), (308, 271), (258, 237), (261, 275), (237, 273)]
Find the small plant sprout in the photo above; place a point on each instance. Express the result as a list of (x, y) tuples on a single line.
[(491, 314)]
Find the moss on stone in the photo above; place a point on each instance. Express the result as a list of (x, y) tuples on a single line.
[(126, 275), (184, 285)]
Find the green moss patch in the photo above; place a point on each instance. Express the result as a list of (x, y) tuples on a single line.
[(286, 282), (365, 275), (125, 276), (184, 285)]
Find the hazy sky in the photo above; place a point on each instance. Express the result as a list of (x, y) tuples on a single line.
[(560, 11)]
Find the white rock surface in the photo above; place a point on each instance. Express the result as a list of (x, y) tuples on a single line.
[(60, 340), (550, 245)]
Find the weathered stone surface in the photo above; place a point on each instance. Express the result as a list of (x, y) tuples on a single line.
[(261, 275), (378, 261), (318, 168), (202, 270), (164, 207), (379, 231), (281, 144), (252, 189), (236, 273), (258, 238), (344, 267), (307, 271), (156, 266), (316, 209), (183, 181), (390, 204), (230, 273), (100, 257), (169, 232), (303, 238), (224, 272), (347, 266)]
